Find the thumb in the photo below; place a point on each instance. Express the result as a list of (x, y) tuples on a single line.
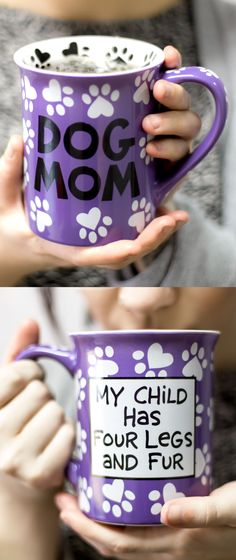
[(218, 509), (173, 57), (11, 172), (28, 333)]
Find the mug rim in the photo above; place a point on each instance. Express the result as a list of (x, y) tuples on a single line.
[(144, 331), (18, 55)]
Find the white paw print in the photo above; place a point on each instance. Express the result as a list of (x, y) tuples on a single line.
[(143, 143), (25, 171), (144, 85), (199, 411), (59, 96), (196, 362), (178, 71), (81, 384), (39, 213), (100, 100), (154, 496), (208, 72), (28, 135), (210, 414), (81, 441), (162, 373), (169, 493), (94, 222), (29, 94), (121, 499), (100, 362), (85, 494), (142, 214), (156, 359), (203, 464), (119, 58)]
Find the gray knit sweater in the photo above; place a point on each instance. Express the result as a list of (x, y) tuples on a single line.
[(197, 255)]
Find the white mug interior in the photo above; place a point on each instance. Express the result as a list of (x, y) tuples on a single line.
[(107, 54)]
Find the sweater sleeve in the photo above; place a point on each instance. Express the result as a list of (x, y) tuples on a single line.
[(202, 253)]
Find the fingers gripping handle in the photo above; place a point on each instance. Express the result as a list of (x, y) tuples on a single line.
[(67, 358), (213, 83)]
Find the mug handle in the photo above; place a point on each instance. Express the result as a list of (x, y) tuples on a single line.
[(68, 359), (212, 82)]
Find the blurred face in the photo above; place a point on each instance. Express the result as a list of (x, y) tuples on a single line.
[(167, 308), (160, 308), (87, 9)]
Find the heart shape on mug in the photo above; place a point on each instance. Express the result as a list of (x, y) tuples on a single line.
[(157, 358), (142, 94), (53, 91), (170, 493), (114, 491), (72, 49), (90, 220), (193, 369), (200, 463), (42, 56), (30, 91), (100, 107)]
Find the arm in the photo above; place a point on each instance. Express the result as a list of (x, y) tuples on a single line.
[(35, 444), (29, 526)]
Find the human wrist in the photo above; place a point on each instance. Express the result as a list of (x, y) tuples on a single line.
[(25, 261), (29, 526)]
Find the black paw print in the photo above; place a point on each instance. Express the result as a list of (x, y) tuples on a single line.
[(119, 57), (41, 59)]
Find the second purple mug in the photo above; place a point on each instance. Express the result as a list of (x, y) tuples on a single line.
[(144, 419), (88, 178)]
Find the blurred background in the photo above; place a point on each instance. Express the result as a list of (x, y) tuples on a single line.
[(18, 304)]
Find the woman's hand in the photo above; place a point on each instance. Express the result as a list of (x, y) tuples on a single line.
[(22, 252), (216, 510), (179, 125), (200, 528), (30, 457), (36, 441)]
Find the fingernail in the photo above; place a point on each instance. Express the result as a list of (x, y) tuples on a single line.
[(61, 502), (152, 122), (172, 50), (157, 146), (10, 150), (156, 123), (174, 514)]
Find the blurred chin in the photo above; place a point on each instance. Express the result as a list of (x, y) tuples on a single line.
[(146, 300)]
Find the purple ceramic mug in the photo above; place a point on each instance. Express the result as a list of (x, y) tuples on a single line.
[(88, 178), (144, 419)]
